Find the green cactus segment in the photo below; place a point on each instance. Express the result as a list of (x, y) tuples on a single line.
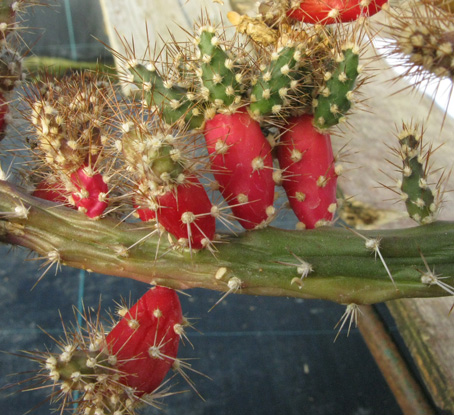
[(277, 80), (7, 14), (334, 98), (419, 199), (10, 69), (175, 102), (344, 269), (152, 157), (219, 80), (79, 362)]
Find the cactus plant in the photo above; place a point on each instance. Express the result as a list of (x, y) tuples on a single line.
[(251, 110)]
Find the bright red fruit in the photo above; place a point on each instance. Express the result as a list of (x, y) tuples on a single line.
[(145, 214), (54, 192), (4, 112), (242, 164), (185, 212), (335, 11), (145, 342), (91, 196), (306, 157)]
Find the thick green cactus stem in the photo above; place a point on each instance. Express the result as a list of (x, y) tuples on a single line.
[(263, 262), (174, 102), (334, 99), (276, 82), (221, 84), (419, 199)]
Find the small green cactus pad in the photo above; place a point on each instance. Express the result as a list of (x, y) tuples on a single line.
[(152, 157), (10, 69), (419, 199), (277, 80), (334, 99), (174, 102), (221, 85)]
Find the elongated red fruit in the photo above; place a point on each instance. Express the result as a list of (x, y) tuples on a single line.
[(185, 212), (306, 157), (145, 342), (242, 164), (52, 191), (335, 11), (4, 115), (91, 195)]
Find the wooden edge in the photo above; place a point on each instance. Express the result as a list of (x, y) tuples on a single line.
[(428, 332)]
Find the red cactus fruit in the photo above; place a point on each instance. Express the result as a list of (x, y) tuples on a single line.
[(185, 212), (52, 191), (145, 341), (242, 164), (335, 11), (91, 196), (145, 214), (4, 114), (306, 157)]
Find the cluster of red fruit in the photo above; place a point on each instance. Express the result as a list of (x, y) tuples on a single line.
[(242, 164)]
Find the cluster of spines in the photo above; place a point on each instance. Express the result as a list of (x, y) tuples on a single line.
[(71, 128), (153, 156), (11, 72), (277, 81), (424, 34), (421, 201), (334, 98), (429, 48)]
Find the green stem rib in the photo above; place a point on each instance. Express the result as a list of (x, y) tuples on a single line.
[(344, 271)]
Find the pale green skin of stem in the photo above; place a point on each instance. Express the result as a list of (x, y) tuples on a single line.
[(344, 270)]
